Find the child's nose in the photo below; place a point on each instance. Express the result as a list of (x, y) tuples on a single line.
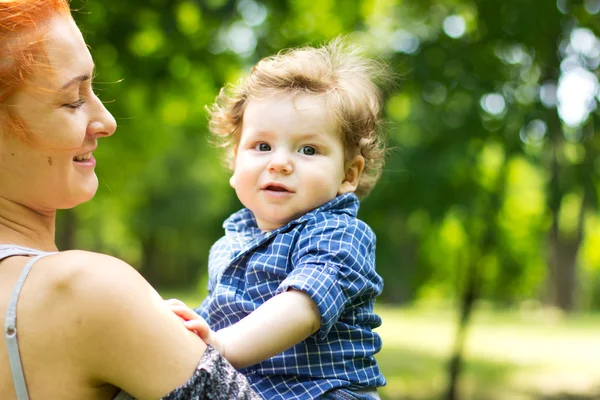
[(281, 162)]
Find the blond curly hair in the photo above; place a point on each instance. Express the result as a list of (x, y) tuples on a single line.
[(349, 81)]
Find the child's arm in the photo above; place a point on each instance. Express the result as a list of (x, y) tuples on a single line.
[(277, 325)]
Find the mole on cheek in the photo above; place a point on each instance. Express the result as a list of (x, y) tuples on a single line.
[(49, 160)]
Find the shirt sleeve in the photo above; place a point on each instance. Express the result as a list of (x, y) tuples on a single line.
[(334, 263)]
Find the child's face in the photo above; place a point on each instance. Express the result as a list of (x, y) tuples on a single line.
[(290, 159)]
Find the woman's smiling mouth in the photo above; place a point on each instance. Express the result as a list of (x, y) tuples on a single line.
[(86, 160), (83, 157)]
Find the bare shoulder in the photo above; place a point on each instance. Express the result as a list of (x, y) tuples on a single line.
[(121, 331), (69, 319), (103, 288), (75, 262), (91, 275)]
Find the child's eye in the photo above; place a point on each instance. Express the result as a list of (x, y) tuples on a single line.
[(262, 147), (308, 150), (75, 105)]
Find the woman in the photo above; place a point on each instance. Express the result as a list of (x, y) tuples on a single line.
[(88, 325)]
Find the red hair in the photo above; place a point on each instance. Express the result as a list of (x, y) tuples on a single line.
[(22, 30)]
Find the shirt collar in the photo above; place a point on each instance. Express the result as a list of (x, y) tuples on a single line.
[(243, 221)]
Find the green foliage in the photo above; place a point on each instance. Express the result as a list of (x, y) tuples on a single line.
[(482, 172)]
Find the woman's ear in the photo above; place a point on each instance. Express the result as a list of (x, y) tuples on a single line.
[(352, 175)]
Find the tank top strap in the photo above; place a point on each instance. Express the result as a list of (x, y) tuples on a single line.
[(10, 322)]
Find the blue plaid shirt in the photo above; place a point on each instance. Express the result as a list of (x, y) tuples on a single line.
[(327, 253)]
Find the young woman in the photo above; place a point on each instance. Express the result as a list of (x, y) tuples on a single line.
[(78, 325)]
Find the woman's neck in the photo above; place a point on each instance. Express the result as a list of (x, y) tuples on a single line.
[(25, 227)]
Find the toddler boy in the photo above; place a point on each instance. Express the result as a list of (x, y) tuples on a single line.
[(292, 284)]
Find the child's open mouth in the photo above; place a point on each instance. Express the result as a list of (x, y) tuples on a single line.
[(276, 188)]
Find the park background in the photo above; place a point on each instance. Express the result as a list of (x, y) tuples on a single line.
[(486, 213)]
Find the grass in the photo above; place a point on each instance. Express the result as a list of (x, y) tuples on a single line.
[(521, 355), (509, 355)]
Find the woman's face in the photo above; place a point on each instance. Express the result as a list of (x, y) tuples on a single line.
[(64, 118)]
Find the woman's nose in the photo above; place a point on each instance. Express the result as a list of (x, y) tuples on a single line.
[(102, 122)]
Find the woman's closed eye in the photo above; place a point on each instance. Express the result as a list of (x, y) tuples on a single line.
[(76, 104), (262, 147), (308, 150)]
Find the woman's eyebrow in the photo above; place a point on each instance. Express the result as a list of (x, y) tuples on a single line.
[(77, 79), (80, 78)]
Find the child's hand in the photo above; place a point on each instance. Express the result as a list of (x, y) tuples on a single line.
[(191, 320), (196, 324)]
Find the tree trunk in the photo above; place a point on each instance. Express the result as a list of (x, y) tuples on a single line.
[(563, 251), (563, 265), (150, 264), (66, 228), (469, 296)]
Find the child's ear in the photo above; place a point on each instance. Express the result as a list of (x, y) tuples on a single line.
[(232, 181), (354, 170)]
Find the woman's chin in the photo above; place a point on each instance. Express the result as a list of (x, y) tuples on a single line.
[(83, 195)]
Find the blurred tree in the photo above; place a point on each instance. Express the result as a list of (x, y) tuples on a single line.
[(490, 190), (485, 164)]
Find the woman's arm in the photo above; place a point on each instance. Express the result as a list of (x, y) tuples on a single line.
[(127, 336)]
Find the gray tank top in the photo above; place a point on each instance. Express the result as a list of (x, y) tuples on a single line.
[(10, 322)]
